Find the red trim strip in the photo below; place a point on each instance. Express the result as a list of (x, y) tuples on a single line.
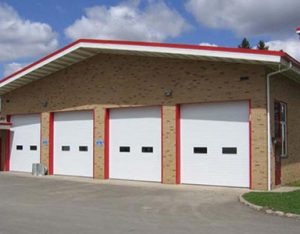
[(7, 147), (178, 142), (182, 46), (155, 44), (41, 137), (250, 145), (94, 141), (162, 142), (106, 144), (51, 142), (0, 154), (6, 124)]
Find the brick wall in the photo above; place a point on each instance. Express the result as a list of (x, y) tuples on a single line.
[(106, 81), (288, 91)]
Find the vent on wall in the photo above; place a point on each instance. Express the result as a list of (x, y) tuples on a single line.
[(243, 78)]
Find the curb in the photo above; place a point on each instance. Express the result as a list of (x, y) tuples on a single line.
[(267, 210)]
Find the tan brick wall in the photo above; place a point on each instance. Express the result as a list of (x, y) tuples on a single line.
[(99, 135), (288, 91), (116, 80), (169, 144), (45, 137)]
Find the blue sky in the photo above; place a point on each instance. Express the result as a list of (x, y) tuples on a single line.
[(31, 29)]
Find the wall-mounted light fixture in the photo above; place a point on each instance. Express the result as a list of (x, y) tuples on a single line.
[(243, 78), (168, 92), (45, 103)]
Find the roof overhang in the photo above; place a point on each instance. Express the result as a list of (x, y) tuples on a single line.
[(86, 48)]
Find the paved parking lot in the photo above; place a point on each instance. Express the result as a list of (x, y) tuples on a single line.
[(59, 205)]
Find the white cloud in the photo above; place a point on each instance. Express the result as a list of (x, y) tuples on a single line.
[(21, 38), (248, 18), (208, 44), (127, 21), (291, 46), (12, 67)]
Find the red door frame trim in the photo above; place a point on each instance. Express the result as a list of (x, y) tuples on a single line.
[(178, 144), (162, 143), (51, 142), (250, 144), (106, 144), (0, 154), (178, 138), (94, 141), (41, 140), (7, 147)]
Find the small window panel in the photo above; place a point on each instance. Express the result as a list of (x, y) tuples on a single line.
[(19, 147), (229, 150), (33, 147), (65, 148), (280, 121), (83, 148), (124, 149), (200, 150), (147, 149)]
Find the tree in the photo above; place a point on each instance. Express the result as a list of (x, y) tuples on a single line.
[(244, 44), (262, 45)]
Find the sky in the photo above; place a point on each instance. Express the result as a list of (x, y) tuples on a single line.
[(30, 29)]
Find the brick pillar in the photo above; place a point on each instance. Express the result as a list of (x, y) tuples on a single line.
[(169, 144), (99, 132), (45, 121)]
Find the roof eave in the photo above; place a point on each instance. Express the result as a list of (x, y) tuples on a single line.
[(83, 49)]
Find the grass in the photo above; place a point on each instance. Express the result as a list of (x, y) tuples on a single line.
[(295, 184), (288, 202)]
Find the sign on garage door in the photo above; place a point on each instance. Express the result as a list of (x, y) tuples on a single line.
[(215, 144)]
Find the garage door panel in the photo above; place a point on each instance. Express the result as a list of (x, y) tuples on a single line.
[(137, 130), (222, 129), (25, 142), (73, 143)]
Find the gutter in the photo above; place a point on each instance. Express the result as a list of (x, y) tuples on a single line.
[(269, 121)]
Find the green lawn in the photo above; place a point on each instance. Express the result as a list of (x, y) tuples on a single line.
[(288, 202), (295, 184)]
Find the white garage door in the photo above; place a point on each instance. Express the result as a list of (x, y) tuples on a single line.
[(73, 143), (25, 142), (135, 144), (215, 144)]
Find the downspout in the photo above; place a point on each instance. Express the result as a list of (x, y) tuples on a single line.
[(269, 121)]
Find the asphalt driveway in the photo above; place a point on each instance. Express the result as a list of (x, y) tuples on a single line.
[(58, 205)]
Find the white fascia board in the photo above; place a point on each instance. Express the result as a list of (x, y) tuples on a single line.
[(39, 65), (194, 52)]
